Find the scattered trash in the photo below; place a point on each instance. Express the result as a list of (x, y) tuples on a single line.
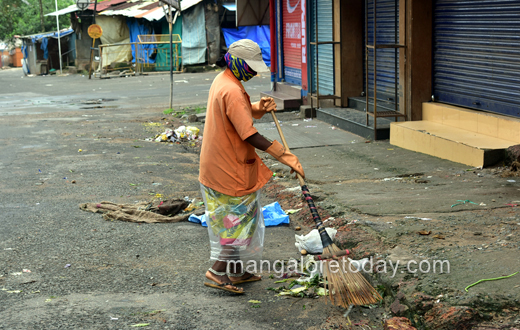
[(14, 291), (489, 279), (114, 318), (307, 119), (312, 241), (310, 126), (79, 150), (425, 219), (460, 202), (179, 81), (329, 219), (297, 228), (424, 232), (17, 274), (482, 204), (302, 286), (295, 124), (291, 211), (8, 249), (439, 236), (140, 325), (167, 135), (511, 180), (187, 132), (512, 205), (391, 179), (67, 265), (303, 252), (26, 271), (255, 301), (152, 124)]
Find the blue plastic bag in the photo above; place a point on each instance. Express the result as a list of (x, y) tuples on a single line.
[(198, 219), (273, 216)]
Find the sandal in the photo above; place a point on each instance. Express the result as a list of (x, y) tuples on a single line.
[(221, 286), (246, 280)]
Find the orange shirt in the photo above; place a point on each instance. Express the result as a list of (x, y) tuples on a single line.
[(229, 164)]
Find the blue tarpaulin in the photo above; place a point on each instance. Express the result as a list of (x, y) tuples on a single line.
[(273, 216), (137, 29), (43, 47), (258, 33)]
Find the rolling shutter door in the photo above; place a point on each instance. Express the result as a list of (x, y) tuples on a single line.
[(387, 20), (321, 10), (477, 54)]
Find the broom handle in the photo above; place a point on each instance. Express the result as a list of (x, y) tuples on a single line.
[(284, 142), (325, 238)]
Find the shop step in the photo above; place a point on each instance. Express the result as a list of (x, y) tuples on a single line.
[(289, 89), (473, 138), (284, 101)]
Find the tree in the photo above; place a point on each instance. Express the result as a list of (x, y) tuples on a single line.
[(22, 17)]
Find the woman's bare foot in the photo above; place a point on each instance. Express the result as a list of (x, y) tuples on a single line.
[(222, 279)]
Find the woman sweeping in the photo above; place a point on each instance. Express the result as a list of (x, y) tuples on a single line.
[(231, 173)]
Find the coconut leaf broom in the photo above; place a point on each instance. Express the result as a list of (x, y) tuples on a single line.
[(347, 286)]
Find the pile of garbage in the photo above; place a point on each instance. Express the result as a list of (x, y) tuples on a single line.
[(181, 134)]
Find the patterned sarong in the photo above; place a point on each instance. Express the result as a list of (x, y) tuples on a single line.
[(232, 219)]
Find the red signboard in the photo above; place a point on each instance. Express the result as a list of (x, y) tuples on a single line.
[(292, 39)]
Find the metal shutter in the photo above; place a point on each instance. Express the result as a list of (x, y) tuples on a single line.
[(387, 20), (477, 54), (322, 11), (292, 40)]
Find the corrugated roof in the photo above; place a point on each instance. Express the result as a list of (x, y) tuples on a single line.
[(134, 8), (69, 9), (147, 9), (151, 6), (105, 4), (153, 14), (38, 36)]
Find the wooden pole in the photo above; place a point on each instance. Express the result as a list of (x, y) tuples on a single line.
[(170, 23), (59, 40), (91, 58)]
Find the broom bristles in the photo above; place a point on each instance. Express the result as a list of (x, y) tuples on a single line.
[(347, 287)]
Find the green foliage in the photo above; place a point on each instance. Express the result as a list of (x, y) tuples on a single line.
[(168, 111), (22, 17)]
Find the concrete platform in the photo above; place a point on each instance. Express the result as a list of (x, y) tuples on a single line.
[(355, 121), (286, 96), (460, 135)]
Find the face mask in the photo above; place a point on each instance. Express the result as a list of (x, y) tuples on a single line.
[(239, 67)]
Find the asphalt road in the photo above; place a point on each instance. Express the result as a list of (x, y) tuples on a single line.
[(56, 130), (120, 273)]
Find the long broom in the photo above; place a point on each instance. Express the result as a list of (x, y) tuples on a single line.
[(346, 285)]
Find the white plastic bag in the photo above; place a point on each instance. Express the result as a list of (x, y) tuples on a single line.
[(312, 241)]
